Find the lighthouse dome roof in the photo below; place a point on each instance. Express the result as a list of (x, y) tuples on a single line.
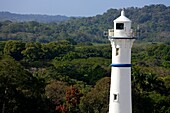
[(122, 18)]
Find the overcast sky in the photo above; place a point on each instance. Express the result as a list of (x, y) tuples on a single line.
[(72, 7)]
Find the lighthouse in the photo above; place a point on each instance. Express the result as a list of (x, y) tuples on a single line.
[(121, 38)]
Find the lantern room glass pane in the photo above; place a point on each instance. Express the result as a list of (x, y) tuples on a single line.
[(120, 26)]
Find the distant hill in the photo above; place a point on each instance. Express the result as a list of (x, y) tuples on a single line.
[(153, 22), (31, 17)]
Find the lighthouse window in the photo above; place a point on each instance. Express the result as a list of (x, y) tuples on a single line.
[(117, 51), (115, 97), (119, 26)]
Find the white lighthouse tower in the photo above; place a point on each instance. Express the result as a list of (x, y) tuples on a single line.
[(121, 38)]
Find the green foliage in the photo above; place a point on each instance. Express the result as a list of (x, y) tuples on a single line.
[(149, 93), (153, 22), (2, 45), (18, 86), (57, 49), (150, 103), (97, 100), (33, 52), (148, 82), (14, 49), (31, 17), (161, 103), (86, 70), (56, 90), (167, 82), (155, 55), (41, 75)]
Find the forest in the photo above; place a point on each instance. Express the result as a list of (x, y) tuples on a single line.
[(65, 67), (4, 15), (151, 24)]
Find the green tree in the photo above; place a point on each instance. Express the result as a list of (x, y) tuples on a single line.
[(12, 82), (148, 92), (97, 100), (56, 91), (20, 91), (2, 45), (56, 49), (33, 52), (14, 49)]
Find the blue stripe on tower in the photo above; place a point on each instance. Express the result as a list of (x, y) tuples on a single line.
[(121, 65)]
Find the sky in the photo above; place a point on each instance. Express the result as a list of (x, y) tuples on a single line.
[(72, 7)]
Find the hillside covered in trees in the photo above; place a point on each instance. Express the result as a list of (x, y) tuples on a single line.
[(150, 22), (31, 17), (65, 67)]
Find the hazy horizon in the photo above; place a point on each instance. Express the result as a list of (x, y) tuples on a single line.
[(71, 8)]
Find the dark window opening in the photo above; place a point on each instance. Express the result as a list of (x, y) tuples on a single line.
[(115, 97), (119, 26), (117, 51)]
